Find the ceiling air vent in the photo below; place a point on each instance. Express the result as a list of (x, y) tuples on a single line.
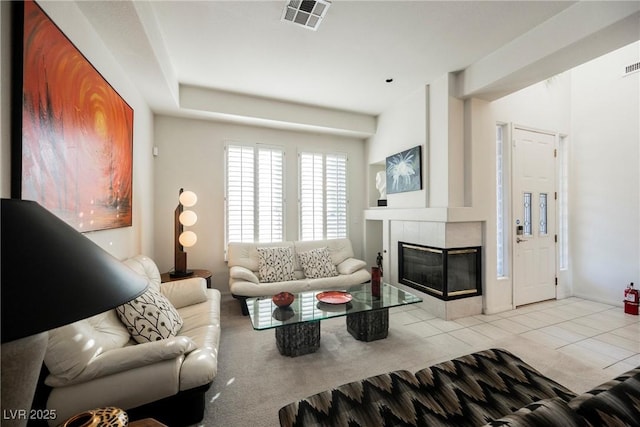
[(308, 13), (633, 68)]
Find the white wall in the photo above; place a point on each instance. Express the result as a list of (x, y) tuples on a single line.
[(402, 126), (544, 106), (446, 166), (191, 156), (604, 181), (122, 242), (598, 111), (434, 119)]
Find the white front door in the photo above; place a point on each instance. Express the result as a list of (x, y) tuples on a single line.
[(534, 214)]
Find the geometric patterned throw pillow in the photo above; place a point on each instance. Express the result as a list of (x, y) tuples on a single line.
[(150, 317), (317, 263), (275, 264)]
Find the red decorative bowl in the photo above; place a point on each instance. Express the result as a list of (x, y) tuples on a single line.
[(283, 299)]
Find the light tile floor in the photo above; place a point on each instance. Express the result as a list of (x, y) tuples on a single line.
[(599, 334)]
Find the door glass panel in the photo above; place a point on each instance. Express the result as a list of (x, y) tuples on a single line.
[(543, 214), (527, 214)]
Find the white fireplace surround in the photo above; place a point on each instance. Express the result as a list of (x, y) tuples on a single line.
[(442, 235), (442, 228)]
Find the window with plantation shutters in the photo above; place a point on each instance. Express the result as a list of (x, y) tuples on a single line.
[(323, 196), (336, 196), (254, 194)]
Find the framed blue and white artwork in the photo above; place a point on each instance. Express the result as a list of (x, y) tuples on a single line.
[(404, 171)]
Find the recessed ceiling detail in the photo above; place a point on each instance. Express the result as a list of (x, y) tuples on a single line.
[(307, 13)]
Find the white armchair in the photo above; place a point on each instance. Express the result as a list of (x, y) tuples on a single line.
[(96, 363)]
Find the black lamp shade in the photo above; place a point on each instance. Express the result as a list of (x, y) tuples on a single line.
[(52, 275)]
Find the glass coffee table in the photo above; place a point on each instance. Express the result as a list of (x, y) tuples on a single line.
[(297, 327)]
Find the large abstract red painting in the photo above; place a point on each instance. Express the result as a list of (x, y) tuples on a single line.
[(77, 132)]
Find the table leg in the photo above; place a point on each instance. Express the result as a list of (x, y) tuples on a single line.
[(369, 325), (298, 339)]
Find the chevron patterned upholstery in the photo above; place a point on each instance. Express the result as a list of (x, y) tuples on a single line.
[(393, 394), (477, 388), (471, 390), (616, 402)]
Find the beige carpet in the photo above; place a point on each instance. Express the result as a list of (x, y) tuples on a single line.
[(254, 380)]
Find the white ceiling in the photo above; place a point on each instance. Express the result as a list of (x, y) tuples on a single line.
[(244, 47)]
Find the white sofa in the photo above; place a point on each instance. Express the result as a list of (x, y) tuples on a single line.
[(95, 362), (245, 280)]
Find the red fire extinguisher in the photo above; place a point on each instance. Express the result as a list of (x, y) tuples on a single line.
[(631, 300)]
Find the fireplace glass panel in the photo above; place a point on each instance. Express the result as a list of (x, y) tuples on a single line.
[(444, 273), (423, 267), (461, 271)]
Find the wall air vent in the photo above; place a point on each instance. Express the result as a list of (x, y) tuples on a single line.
[(308, 13), (633, 68)]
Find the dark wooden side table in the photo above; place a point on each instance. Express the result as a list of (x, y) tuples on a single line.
[(146, 422), (205, 274)]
